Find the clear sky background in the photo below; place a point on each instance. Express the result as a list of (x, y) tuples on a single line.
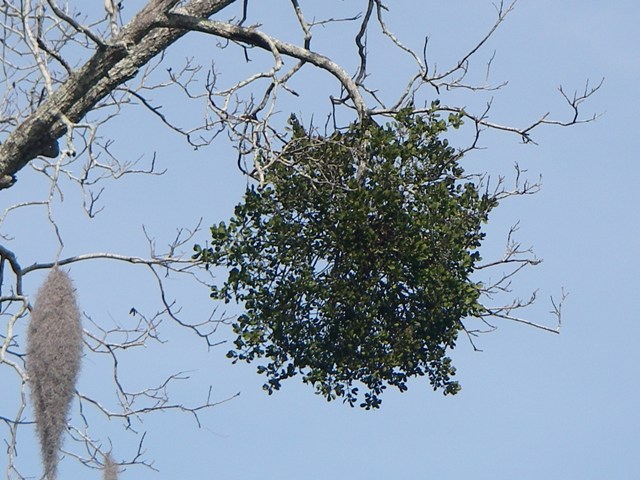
[(534, 405)]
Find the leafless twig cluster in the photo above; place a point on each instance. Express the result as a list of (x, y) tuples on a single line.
[(66, 72)]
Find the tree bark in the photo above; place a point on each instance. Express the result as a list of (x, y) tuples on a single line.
[(112, 65)]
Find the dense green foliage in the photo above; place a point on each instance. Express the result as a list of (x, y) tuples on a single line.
[(352, 260)]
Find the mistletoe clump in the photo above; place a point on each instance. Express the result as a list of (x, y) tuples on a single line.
[(353, 258)]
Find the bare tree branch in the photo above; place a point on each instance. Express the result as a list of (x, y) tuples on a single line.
[(256, 38), (109, 68), (53, 108)]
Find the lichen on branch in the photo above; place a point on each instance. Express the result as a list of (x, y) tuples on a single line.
[(54, 348)]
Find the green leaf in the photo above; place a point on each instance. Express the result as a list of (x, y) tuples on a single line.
[(354, 276)]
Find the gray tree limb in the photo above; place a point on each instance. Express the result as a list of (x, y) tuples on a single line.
[(111, 66)]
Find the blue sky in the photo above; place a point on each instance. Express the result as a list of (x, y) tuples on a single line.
[(533, 405)]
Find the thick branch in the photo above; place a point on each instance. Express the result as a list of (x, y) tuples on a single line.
[(109, 67)]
